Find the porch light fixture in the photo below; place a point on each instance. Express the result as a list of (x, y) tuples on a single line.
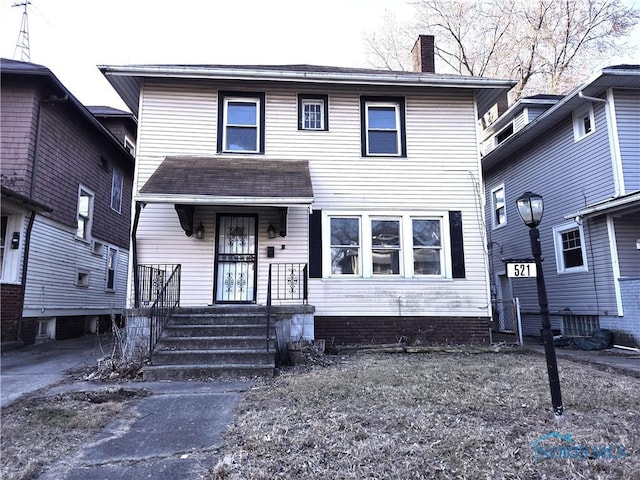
[(531, 208), (271, 231), (200, 232)]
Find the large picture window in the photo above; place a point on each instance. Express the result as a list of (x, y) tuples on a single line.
[(371, 246), (241, 123), (383, 126)]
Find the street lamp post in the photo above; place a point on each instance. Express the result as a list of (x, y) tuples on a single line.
[(530, 208)]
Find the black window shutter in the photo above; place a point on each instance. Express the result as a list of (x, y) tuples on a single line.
[(457, 244), (315, 244)]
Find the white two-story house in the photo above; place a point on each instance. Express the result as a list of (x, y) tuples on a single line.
[(366, 182)]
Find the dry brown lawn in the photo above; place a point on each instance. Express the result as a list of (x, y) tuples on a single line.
[(434, 416), (39, 430)]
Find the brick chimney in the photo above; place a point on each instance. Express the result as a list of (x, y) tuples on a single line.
[(423, 55)]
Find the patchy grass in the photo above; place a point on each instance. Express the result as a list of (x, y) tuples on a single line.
[(37, 431), (465, 416)]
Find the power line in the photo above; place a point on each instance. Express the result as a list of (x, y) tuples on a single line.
[(22, 51)]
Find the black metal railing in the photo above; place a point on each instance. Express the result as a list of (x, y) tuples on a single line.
[(286, 282), (160, 284)]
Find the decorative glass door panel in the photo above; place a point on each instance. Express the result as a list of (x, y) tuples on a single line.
[(236, 259)]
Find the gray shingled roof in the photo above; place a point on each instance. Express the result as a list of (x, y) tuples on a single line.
[(231, 177)]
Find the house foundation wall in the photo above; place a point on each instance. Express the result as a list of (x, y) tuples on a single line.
[(412, 330), (10, 296)]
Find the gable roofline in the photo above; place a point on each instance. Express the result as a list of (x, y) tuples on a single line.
[(616, 76), (127, 79), (17, 68), (513, 111)]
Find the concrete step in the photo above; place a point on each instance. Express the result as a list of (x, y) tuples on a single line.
[(219, 319), (206, 372), (213, 357), (232, 342), (172, 330)]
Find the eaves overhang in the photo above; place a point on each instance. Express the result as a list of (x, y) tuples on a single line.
[(26, 69), (26, 202), (627, 202), (622, 76), (127, 80)]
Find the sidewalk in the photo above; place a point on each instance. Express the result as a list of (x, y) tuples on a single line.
[(622, 361), (174, 433)]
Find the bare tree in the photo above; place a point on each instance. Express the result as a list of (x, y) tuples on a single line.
[(547, 45)]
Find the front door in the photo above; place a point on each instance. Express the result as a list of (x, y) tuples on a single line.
[(236, 259)]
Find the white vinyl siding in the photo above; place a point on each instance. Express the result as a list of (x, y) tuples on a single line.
[(54, 263), (442, 157)]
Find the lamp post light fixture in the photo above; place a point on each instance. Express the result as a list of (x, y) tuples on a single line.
[(271, 231), (531, 208)]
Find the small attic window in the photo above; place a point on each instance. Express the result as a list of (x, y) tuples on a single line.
[(504, 134)]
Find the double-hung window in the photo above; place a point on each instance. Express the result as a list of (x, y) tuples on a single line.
[(117, 181), (498, 207), (385, 246), (85, 213), (570, 248), (427, 246), (383, 125), (345, 245), (241, 123)]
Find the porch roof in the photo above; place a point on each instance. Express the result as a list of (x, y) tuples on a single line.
[(229, 181)]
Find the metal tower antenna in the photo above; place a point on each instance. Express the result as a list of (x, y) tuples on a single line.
[(22, 45)]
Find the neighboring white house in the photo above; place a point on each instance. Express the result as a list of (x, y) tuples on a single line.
[(369, 178), (581, 152)]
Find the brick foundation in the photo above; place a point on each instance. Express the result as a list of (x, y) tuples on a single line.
[(10, 312), (423, 330)]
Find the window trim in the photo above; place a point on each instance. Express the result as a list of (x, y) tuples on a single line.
[(114, 177), (331, 246), (578, 122), (83, 273), (494, 209), (89, 219), (558, 230), (116, 250), (130, 145), (224, 97), (406, 244), (498, 140), (398, 103), (302, 98)]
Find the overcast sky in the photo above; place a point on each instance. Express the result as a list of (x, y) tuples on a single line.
[(71, 37)]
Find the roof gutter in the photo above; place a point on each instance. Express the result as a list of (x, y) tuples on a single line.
[(593, 99), (310, 77)]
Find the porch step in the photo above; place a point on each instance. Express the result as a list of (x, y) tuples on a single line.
[(230, 342), (215, 356), (206, 372), (214, 343)]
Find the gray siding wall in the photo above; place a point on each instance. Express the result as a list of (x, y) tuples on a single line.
[(564, 172), (627, 107), (627, 234)]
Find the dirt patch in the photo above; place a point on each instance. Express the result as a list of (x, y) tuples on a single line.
[(39, 430), (438, 415)]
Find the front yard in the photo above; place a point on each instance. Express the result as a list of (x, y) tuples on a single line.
[(440, 415)]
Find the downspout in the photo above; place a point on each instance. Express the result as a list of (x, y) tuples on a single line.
[(593, 99), (25, 265), (134, 254)]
